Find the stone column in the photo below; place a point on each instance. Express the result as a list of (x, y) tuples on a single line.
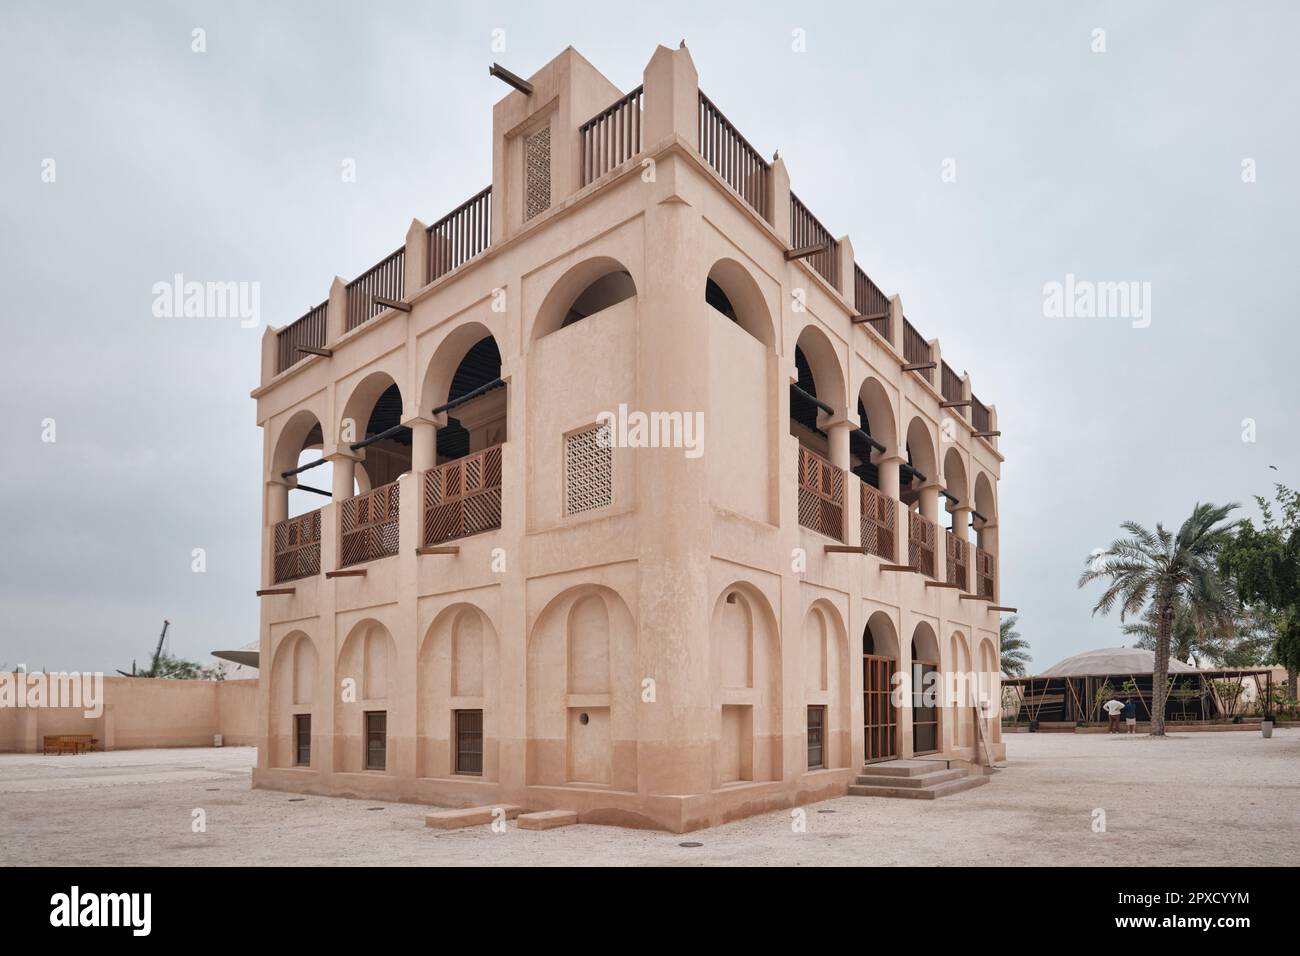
[(837, 430), (889, 486)]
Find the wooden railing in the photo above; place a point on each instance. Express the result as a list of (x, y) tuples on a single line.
[(386, 278), (879, 521), (821, 495), (461, 234), (950, 384), (984, 565), (611, 137), (958, 554), (979, 415), (869, 300), (916, 349), (369, 525), (462, 497), (921, 540), (730, 154), (308, 332), (296, 546), (807, 230)]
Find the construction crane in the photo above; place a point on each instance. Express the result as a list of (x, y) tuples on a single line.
[(157, 653)]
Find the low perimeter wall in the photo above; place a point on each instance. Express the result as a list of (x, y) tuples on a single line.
[(143, 712)]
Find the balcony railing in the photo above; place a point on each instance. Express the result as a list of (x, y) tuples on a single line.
[(611, 137), (979, 415), (950, 385), (462, 497), (296, 544), (730, 154), (385, 279), (869, 300), (807, 230), (879, 521), (958, 553), (461, 234), (821, 495), (307, 332), (369, 525), (916, 350), (984, 566), (921, 539)]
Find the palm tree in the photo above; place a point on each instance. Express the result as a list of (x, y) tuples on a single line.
[(1164, 570), (1015, 649), (1184, 641)]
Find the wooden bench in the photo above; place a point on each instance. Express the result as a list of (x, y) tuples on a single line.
[(70, 743)]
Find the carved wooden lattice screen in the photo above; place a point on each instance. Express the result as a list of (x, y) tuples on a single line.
[(370, 525), (462, 497), (879, 520), (958, 552), (821, 495), (920, 543), (588, 470), (537, 173), (297, 547), (984, 572)]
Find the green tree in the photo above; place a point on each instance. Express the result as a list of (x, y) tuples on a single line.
[(177, 668), (1015, 649), (1155, 571), (1264, 564)]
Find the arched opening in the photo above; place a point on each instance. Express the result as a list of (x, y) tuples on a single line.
[(364, 711), (586, 289), (879, 664), (984, 517), (745, 663), (879, 438), (918, 490), (963, 685), (957, 504), (458, 698), (927, 690), (477, 419), (826, 688), (371, 428), (990, 696), (732, 291), (293, 700), (818, 390)]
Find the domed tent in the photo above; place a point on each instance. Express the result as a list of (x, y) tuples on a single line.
[(1105, 661)]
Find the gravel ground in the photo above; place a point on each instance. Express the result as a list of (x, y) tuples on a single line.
[(1212, 798)]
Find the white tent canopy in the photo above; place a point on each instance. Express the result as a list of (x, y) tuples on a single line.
[(1113, 660)]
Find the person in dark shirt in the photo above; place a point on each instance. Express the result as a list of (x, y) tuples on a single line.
[(1131, 715)]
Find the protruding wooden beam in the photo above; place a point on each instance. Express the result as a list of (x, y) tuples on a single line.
[(860, 319), (310, 350), (999, 607), (313, 490), (803, 252), (844, 549), (987, 434), (519, 83), (974, 597), (963, 403), (919, 366), (388, 303), (446, 549), (941, 584), (263, 592), (347, 573), (897, 567)]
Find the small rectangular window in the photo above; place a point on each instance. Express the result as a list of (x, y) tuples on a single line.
[(816, 737), (302, 739), (376, 739), (469, 741), (588, 469)]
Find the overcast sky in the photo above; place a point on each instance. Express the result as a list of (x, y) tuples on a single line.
[(1123, 165)]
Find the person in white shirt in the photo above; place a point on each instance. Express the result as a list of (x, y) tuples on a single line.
[(1113, 708)]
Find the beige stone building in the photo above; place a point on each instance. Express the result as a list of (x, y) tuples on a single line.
[(515, 593)]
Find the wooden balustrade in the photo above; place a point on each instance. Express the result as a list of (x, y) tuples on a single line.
[(821, 495), (386, 279), (950, 386), (984, 570), (738, 163), (369, 525), (916, 350), (958, 554), (611, 137), (807, 230), (869, 300), (296, 547), (308, 332), (461, 234), (979, 415), (921, 541), (462, 497), (879, 521)]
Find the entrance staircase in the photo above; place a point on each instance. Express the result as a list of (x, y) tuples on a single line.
[(922, 778)]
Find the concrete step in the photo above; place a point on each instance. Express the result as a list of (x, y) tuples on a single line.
[(546, 819), (469, 816), (917, 780), (945, 789), (901, 768)]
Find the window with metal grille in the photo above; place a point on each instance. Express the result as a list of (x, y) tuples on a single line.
[(588, 469), (376, 739), (302, 739), (816, 737), (537, 172), (469, 741)]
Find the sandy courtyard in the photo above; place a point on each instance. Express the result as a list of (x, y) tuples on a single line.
[(1217, 798)]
